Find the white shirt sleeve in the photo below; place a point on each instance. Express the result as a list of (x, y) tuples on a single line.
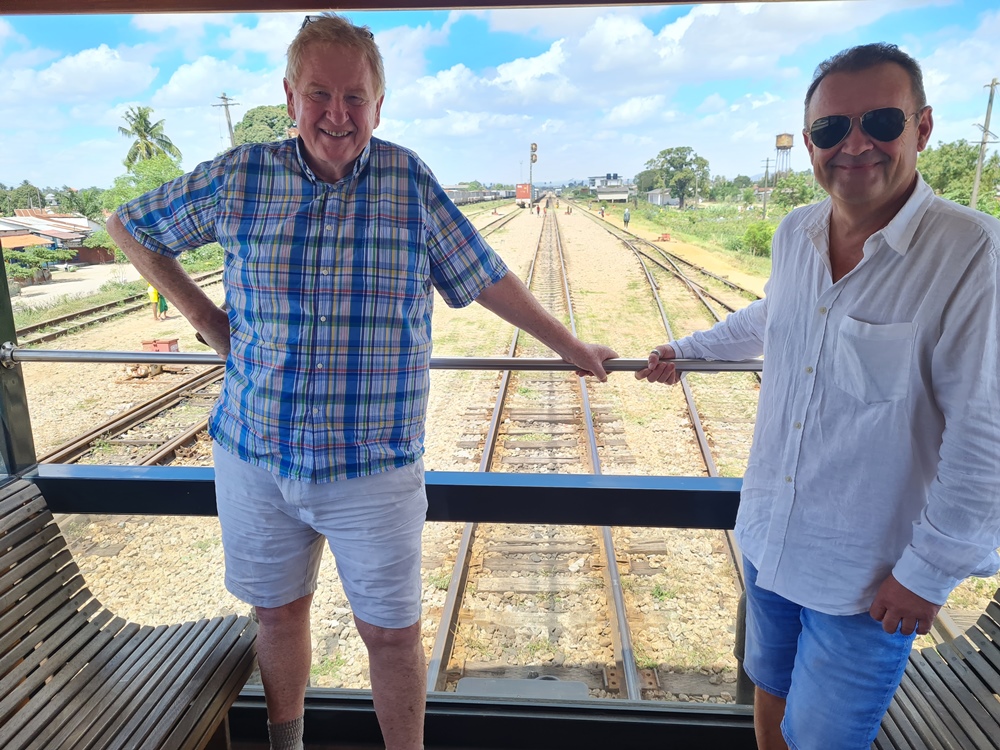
[(739, 336)]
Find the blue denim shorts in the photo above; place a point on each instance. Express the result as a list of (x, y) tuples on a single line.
[(837, 673), (273, 530)]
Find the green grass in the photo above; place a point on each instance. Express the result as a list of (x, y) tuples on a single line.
[(110, 292), (328, 667), (440, 581), (660, 594)]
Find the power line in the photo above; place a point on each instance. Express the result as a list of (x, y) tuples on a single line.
[(226, 103)]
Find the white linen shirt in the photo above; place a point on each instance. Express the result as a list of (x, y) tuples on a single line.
[(877, 443)]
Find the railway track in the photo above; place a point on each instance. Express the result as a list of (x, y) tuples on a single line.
[(149, 433), (538, 603), (63, 325)]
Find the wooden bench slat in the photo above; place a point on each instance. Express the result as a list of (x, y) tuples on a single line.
[(74, 675), (978, 660), (954, 704), (983, 721), (222, 675), (117, 686), (914, 724), (12, 507), (163, 683), (36, 530), (29, 613), (989, 622), (99, 677), (120, 707), (882, 740), (960, 667), (933, 711), (993, 611), (986, 636), (896, 739), (28, 676), (42, 683), (27, 579), (46, 638)]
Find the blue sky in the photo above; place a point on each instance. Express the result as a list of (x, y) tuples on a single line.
[(598, 89)]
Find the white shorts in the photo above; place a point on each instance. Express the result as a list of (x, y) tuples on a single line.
[(273, 530)]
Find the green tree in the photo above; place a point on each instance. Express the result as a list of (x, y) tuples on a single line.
[(24, 195), (646, 180), (757, 238), (144, 176), (20, 263), (950, 170), (796, 189), (263, 124), (150, 139), (679, 169), (87, 202)]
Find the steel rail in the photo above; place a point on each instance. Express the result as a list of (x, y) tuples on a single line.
[(703, 446), (621, 635), (12, 355), (70, 451), (118, 307), (444, 641)]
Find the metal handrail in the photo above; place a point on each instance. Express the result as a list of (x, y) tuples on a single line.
[(11, 354)]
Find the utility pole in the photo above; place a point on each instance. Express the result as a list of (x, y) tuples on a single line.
[(531, 184), (226, 103), (767, 171), (982, 145)]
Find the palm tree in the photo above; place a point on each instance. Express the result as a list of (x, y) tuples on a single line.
[(149, 137)]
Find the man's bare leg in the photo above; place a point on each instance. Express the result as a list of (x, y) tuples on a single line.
[(768, 711), (399, 683), (284, 653)]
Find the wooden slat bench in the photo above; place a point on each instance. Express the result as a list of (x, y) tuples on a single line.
[(950, 694), (72, 675)]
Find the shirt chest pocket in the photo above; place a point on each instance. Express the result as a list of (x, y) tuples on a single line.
[(873, 361)]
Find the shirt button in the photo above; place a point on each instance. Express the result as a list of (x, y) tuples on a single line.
[(319, 366), (822, 311), (788, 479), (798, 425), (325, 272), (809, 370), (329, 227), (322, 318), (315, 411)]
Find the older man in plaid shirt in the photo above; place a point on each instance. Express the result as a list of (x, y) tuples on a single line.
[(335, 242)]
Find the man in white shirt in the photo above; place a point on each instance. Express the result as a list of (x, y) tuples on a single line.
[(873, 485)]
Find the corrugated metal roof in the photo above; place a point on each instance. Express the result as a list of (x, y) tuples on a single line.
[(22, 240)]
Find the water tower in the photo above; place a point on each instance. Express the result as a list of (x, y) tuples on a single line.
[(783, 163)]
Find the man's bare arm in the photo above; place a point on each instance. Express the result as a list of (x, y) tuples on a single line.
[(174, 283)]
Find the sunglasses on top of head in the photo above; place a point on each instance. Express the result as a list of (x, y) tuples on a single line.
[(885, 124), (312, 19)]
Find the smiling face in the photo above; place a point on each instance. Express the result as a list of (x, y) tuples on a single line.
[(334, 105), (861, 170)]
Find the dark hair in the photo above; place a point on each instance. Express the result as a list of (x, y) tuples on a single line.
[(867, 56)]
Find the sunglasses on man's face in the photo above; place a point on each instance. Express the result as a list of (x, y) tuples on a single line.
[(885, 124)]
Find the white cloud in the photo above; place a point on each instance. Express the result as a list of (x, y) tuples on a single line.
[(636, 110), (75, 78)]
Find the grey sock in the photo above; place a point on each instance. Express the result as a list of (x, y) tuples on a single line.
[(287, 735)]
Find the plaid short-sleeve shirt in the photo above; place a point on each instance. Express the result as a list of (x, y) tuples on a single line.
[(330, 293)]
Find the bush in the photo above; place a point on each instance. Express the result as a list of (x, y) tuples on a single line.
[(757, 239), (21, 262), (205, 258)]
